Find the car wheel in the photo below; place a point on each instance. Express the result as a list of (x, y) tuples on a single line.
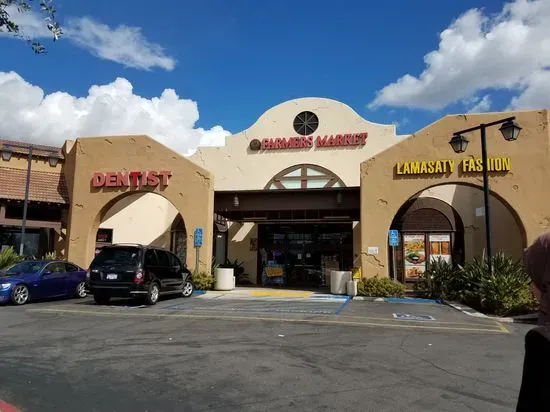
[(152, 296), (80, 291), (20, 295), (188, 288), (102, 299)]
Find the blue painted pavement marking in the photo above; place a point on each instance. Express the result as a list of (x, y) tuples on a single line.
[(341, 308)]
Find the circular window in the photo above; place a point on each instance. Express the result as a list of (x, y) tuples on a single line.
[(306, 123)]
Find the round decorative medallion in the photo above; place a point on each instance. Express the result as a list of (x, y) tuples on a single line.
[(255, 144)]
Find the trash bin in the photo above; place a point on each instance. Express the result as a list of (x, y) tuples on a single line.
[(338, 279), (224, 279)]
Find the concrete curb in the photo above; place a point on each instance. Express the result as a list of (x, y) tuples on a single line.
[(395, 300), (474, 313)]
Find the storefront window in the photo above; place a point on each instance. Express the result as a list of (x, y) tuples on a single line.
[(12, 237)]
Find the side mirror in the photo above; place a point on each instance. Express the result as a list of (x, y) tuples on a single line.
[(47, 272)]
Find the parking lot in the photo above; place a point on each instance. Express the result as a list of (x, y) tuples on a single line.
[(264, 353)]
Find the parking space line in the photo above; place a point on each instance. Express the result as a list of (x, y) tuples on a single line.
[(389, 324)]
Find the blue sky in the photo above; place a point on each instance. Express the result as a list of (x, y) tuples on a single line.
[(236, 59)]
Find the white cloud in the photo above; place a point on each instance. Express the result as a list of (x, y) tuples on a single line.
[(122, 44), (477, 52), (480, 105), (27, 114)]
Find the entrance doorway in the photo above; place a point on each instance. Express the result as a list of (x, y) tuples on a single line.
[(299, 255)]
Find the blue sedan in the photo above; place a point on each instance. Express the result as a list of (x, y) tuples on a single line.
[(41, 279)]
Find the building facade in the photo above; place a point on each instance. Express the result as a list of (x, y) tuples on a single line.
[(310, 186)]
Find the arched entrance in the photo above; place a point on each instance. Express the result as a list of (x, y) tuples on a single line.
[(103, 171), (122, 221), (446, 221), (429, 229)]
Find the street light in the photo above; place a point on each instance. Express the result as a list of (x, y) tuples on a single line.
[(510, 131), (6, 156)]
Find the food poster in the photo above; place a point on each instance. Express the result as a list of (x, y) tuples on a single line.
[(414, 251), (440, 247)]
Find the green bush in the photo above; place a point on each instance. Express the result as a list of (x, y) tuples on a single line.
[(442, 280), (380, 287), (203, 281), (506, 291), (50, 256), (8, 257)]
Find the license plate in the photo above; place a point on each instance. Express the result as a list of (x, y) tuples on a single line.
[(112, 276)]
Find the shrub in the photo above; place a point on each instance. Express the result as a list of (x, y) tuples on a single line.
[(506, 291), (442, 280), (8, 257), (203, 281), (50, 256), (380, 287)]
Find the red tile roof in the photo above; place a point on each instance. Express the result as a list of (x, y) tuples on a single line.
[(44, 186), (37, 149)]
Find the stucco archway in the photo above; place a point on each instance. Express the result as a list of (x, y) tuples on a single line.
[(189, 189), (383, 190)]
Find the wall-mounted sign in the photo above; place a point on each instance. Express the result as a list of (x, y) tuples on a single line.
[(307, 142), (131, 179), (414, 252), (431, 167), (104, 235), (440, 247), (198, 237)]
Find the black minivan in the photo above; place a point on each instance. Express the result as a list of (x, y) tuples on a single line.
[(128, 270)]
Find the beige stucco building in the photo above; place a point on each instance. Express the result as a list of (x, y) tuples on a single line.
[(309, 186)]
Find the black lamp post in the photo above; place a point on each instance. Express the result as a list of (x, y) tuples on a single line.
[(6, 156), (510, 131)]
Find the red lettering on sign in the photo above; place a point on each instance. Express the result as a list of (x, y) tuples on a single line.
[(165, 176), (339, 140), (98, 179), (153, 179), (122, 179), (132, 179), (110, 179)]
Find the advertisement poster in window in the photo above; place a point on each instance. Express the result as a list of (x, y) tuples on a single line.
[(414, 250), (440, 247)]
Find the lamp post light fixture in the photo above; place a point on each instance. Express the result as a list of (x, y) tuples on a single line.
[(6, 153), (510, 131), (236, 201), (53, 160)]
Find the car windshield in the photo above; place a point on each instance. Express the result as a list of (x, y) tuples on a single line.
[(23, 267), (118, 256)]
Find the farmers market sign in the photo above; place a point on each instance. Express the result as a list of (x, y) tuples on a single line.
[(433, 167)]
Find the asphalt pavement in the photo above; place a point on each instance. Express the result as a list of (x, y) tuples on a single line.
[(256, 355)]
